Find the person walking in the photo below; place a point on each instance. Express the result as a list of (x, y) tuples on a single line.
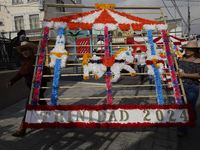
[(28, 50), (189, 72), (140, 58)]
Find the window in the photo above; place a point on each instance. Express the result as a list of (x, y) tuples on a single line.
[(19, 23), (34, 21), (17, 1), (60, 8)]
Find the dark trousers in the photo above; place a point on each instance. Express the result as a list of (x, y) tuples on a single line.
[(141, 70), (192, 94)]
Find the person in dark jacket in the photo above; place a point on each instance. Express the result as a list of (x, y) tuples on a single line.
[(28, 50)]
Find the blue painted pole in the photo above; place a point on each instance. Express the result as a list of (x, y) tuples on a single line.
[(54, 94), (156, 71)]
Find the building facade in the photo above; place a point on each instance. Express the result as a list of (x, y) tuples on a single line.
[(28, 15)]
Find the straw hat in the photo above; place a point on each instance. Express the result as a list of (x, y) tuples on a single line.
[(191, 45), (138, 49), (27, 44)]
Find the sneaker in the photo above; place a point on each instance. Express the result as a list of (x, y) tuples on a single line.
[(181, 134)]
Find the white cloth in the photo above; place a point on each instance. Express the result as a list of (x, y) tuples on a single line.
[(21, 37), (141, 58), (100, 42)]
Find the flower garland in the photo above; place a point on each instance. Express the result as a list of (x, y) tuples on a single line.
[(109, 107), (155, 67), (58, 60), (54, 94), (172, 68), (108, 72), (38, 77), (190, 122)]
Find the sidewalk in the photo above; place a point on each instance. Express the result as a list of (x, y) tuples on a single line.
[(87, 139)]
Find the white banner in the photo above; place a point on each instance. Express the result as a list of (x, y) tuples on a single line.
[(109, 116)]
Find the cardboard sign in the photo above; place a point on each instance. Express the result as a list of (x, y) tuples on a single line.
[(109, 116)]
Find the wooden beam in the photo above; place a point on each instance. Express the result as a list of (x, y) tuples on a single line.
[(92, 6)]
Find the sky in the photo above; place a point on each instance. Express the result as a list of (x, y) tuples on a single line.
[(183, 7)]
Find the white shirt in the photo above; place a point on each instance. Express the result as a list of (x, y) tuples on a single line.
[(141, 58)]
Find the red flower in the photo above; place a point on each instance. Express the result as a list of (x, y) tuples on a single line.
[(36, 91), (86, 26), (124, 27), (46, 31), (73, 26)]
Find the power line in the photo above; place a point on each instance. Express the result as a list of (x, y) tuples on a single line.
[(191, 5), (177, 9), (187, 0), (168, 10)]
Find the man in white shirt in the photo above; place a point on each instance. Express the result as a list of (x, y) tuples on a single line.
[(140, 58)]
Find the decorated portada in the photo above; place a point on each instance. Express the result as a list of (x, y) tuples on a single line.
[(109, 65)]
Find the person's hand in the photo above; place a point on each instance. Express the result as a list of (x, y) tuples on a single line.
[(8, 84), (173, 54), (181, 74)]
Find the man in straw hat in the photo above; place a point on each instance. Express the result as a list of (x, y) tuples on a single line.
[(28, 50), (140, 59), (189, 66)]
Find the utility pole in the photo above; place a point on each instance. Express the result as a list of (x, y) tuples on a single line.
[(175, 20), (188, 21)]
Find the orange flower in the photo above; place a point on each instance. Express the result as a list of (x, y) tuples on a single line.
[(108, 62), (73, 26), (104, 18), (133, 74), (124, 27), (96, 77), (120, 50), (85, 58), (57, 54), (86, 26), (104, 6), (86, 77), (155, 61)]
